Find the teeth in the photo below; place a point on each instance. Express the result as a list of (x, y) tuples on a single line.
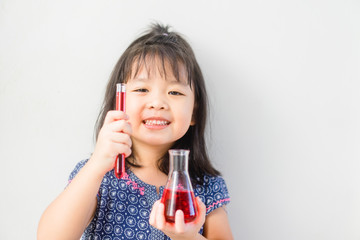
[(156, 122)]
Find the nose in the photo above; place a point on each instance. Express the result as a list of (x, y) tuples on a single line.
[(158, 102)]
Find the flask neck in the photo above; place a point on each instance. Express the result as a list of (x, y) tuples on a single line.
[(178, 160)]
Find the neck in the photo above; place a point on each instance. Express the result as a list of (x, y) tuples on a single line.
[(148, 156)]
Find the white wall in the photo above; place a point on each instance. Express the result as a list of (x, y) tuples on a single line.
[(284, 83)]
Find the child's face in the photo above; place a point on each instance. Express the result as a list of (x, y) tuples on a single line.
[(160, 107)]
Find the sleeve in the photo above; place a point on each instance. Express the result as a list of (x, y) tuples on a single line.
[(77, 168), (215, 193)]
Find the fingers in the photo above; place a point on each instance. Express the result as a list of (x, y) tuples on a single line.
[(122, 148), (123, 138), (201, 210), (160, 218), (153, 213), (179, 221), (157, 218), (120, 126), (112, 116), (115, 134), (179, 229), (200, 204)]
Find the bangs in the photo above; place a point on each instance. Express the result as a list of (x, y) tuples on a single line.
[(167, 61)]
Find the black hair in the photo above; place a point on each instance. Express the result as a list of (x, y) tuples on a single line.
[(169, 47)]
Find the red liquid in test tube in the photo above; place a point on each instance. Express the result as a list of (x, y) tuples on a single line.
[(120, 106)]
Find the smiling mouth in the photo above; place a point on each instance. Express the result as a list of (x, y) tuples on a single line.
[(156, 122)]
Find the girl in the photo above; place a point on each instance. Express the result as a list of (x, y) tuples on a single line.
[(166, 107)]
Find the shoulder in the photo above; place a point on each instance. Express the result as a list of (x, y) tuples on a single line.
[(77, 168), (213, 192)]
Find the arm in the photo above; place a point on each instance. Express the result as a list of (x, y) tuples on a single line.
[(217, 225), (70, 213)]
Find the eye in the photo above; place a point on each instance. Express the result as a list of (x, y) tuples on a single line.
[(175, 93), (141, 90)]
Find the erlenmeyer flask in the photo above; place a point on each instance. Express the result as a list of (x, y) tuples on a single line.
[(178, 192)]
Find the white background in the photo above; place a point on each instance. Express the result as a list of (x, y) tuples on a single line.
[(284, 84)]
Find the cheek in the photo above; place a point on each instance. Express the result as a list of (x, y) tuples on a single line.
[(133, 111), (187, 114)]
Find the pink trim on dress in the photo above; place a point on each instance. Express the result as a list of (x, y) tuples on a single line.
[(220, 201), (134, 184)]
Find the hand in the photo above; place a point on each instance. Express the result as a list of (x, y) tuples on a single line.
[(113, 139), (178, 230)]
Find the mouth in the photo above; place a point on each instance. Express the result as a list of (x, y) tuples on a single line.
[(156, 122)]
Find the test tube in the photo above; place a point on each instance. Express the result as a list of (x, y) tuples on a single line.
[(119, 168)]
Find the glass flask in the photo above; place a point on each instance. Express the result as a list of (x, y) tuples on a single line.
[(178, 193)]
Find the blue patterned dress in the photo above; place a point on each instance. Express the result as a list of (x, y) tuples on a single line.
[(124, 206)]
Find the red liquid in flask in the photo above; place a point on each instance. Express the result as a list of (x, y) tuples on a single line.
[(119, 168), (179, 200)]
